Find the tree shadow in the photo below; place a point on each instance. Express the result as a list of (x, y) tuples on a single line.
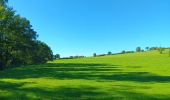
[(17, 92), (136, 76), (134, 66), (60, 93), (58, 71), (99, 72)]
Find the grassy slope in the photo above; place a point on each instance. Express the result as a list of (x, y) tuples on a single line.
[(129, 76)]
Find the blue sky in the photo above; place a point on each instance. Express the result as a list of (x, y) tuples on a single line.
[(82, 27)]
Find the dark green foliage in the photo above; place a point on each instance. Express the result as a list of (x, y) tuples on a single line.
[(3, 2), (101, 55), (123, 52), (18, 44), (142, 50), (73, 57), (42, 53), (131, 51), (94, 54), (153, 48), (57, 56), (161, 50), (138, 49), (78, 57), (109, 53), (147, 48)]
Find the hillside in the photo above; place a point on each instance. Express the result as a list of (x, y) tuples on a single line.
[(134, 76)]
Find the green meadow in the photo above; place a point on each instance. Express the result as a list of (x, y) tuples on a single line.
[(133, 76)]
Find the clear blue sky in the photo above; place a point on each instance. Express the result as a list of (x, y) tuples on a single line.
[(82, 27)]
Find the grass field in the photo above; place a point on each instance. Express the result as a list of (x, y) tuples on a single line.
[(136, 76)]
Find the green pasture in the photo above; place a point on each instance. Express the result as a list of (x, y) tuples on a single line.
[(134, 76)]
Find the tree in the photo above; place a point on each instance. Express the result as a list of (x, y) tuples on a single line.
[(109, 53), (3, 2), (160, 50), (57, 56), (142, 51), (71, 57), (18, 40), (147, 48), (153, 48), (42, 53), (138, 49), (123, 52), (94, 54)]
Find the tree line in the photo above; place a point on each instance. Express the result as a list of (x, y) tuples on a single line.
[(18, 40), (138, 49)]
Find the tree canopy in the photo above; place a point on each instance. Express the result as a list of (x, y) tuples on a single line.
[(18, 40)]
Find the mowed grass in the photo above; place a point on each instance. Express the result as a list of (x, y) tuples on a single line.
[(136, 76)]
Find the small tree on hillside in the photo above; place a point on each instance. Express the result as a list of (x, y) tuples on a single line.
[(57, 56), (138, 49), (153, 48), (94, 54), (147, 48), (161, 50), (109, 53), (71, 57), (142, 50), (123, 52)]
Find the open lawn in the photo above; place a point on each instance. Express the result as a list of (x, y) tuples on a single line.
[(135, 76)]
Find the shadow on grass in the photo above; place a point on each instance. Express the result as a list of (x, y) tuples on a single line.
[(60, 93), (101, 72), (17, 92), (136, 76), (98, 72), (58, 71)]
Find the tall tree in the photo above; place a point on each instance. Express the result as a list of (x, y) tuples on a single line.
[(18, 44)]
